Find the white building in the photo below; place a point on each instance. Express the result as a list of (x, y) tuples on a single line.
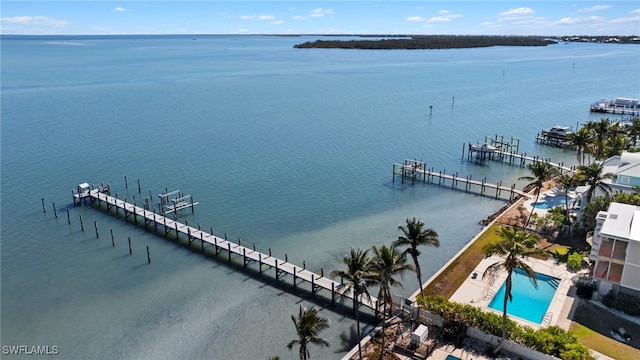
[(616, 249)]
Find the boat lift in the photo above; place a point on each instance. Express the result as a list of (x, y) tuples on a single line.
[(169, 204)]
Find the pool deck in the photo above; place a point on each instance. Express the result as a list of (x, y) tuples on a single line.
[(479, 292)]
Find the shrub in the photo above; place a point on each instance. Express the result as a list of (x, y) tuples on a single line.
[(626, 303), (551, 340), (585, 290), (574, 261)]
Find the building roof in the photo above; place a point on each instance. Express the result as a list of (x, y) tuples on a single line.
[(623, 221)]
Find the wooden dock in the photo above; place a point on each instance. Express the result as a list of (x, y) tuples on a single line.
[(511, 157), (417, 170), (195, 234)]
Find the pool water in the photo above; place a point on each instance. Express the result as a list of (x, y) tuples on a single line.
[(550, 202), (451, 357), (528, 302)]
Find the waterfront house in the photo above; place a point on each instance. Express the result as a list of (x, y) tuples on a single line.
[(616, 249)]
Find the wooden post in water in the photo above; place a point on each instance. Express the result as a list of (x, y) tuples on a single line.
[(139, 190), (294, 277), (229, 250), (260, 263), (130, 251), (333, 293), (95, 225), (277, 271), (126, 184), (44, 210), (112, 242), (286, 258), (244, 257), (313, 286), (148, 255), (81, 223), (68, 217), (55, 212)]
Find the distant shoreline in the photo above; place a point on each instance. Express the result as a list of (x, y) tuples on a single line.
[(423, 42)]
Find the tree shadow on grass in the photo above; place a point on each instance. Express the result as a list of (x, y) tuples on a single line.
[(602, 321)]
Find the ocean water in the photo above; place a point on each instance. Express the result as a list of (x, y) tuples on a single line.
[(289, 149)]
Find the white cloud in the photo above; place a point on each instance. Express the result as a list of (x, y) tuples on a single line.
[(568, 21), (415, 19), (445, 16), (626, 20), (258, 17), (121, 9), (299, 17), (320, 12), (277, 22), (35, 20), (636, 11), (595, 8), (517, 12)]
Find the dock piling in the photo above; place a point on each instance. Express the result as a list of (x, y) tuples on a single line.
[(130, 250), (55, 212), (44, 210), (148, 256), (81, 223)]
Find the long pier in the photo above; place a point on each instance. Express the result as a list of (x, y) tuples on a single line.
[(416, 170), (249, 255)]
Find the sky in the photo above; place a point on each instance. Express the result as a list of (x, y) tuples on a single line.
[(472, 17)]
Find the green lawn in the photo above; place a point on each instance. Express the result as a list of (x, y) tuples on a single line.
[(455, 274)]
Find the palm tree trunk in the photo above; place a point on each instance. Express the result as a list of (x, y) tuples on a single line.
[(507, 293), (418, 272), (358, 332), (532, 207), (384, 322), (356, 307)]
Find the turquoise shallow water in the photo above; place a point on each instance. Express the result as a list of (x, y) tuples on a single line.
[(286, 148), (536, 300)]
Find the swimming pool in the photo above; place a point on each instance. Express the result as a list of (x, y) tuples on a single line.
[(528, 302), (451, 357), (550, 202)]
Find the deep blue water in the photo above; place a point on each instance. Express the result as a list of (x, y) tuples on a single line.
[(286, 148)]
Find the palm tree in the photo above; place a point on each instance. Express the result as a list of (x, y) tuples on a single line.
[(594, 177), (568, 181), (414, 235), (634, 131), (542, 172), (387, 263), (308, 325), (600, 131), (614, 145), (354, 279), (580, 140), (514, 247)]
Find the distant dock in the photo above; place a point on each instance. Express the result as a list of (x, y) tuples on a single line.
[(148, 218), (622, 106)]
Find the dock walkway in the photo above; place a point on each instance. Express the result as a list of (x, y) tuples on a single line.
[(249, 255), (417, 171)]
